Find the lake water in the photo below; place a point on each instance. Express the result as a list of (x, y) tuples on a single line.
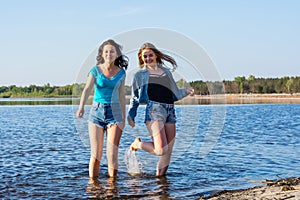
[(45, 154)]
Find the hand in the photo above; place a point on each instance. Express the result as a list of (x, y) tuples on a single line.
[(80, 113), (121, 125), (131, 123), (190, 91)]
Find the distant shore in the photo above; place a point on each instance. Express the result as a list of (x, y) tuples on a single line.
[(269, 96), (189, 100), (282, 189), (253, 96)]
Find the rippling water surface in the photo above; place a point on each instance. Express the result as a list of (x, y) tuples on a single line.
[(45, 155)]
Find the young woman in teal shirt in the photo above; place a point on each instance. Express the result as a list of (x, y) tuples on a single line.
[(108, 108)]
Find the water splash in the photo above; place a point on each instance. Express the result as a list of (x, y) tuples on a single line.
[(133, 165)]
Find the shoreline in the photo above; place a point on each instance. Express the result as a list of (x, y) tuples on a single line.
[(225, 99), (255, 96), (282, 189), (242, 99)]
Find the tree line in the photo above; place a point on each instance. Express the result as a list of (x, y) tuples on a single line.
[(250, 85), (240, 84)]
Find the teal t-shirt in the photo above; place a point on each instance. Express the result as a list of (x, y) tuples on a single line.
[(106, 90)]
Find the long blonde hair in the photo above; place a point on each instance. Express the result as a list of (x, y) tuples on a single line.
[(161, 57)]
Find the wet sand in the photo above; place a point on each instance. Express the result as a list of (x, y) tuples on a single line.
[(283, 189)]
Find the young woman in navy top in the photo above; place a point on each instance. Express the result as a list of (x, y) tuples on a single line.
[(155, 86)]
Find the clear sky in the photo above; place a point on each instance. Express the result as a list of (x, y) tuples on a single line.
[(47, 41)]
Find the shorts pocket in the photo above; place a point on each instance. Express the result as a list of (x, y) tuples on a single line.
[(95, 107), (157, 112)]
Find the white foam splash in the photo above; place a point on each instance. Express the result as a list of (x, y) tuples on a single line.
[(133, 165)]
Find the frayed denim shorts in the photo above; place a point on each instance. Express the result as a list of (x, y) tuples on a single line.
[(105, 115), (163, 112)]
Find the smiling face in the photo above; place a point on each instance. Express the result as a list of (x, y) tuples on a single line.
[(149, 58), (109, 54)]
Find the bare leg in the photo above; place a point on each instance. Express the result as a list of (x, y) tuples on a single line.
[(96, 141), (164, 160), (159, 145), (114, 134)]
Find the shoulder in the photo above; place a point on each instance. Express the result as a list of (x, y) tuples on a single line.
[(140, 73), (122, 72), (166, 70), (95, 67), (95, 70), (140, 76)]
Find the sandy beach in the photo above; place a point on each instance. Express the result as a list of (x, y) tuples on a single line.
[(282, 189), (242, 99)]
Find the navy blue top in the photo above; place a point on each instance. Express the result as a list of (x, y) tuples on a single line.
[(159, 89), (140, 90)]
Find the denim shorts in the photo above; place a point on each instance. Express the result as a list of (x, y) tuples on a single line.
[(105, 115), (163, 112)]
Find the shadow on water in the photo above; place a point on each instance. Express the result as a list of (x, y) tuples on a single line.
[(39, 101), (128, 187), (35, 101)]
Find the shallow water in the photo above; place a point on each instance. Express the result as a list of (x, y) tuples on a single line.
[(44, 153)]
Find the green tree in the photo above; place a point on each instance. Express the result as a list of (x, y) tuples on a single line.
[(251, 78), (288, 85), (240, 80)]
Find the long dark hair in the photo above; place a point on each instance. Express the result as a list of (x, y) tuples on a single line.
[(161, 57), (121, 60)]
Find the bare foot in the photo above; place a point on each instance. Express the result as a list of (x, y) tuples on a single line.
[(94, 181), (134, 145)]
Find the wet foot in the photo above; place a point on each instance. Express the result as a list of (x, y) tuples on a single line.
[(94, 181), (134, 145)]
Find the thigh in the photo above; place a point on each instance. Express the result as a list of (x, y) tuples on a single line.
[(114, 134), (170, 130), (96, 135), (157, 131)]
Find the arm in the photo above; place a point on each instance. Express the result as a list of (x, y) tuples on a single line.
[(84, 96), (190, 91), (122, 99), (179, 93), (134, 103)]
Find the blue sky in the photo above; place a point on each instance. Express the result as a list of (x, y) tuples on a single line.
[(47, 41)]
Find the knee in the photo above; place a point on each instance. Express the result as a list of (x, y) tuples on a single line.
[(161, 151), (112, 159), (96, 156), (111, 154), (95, 160)]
